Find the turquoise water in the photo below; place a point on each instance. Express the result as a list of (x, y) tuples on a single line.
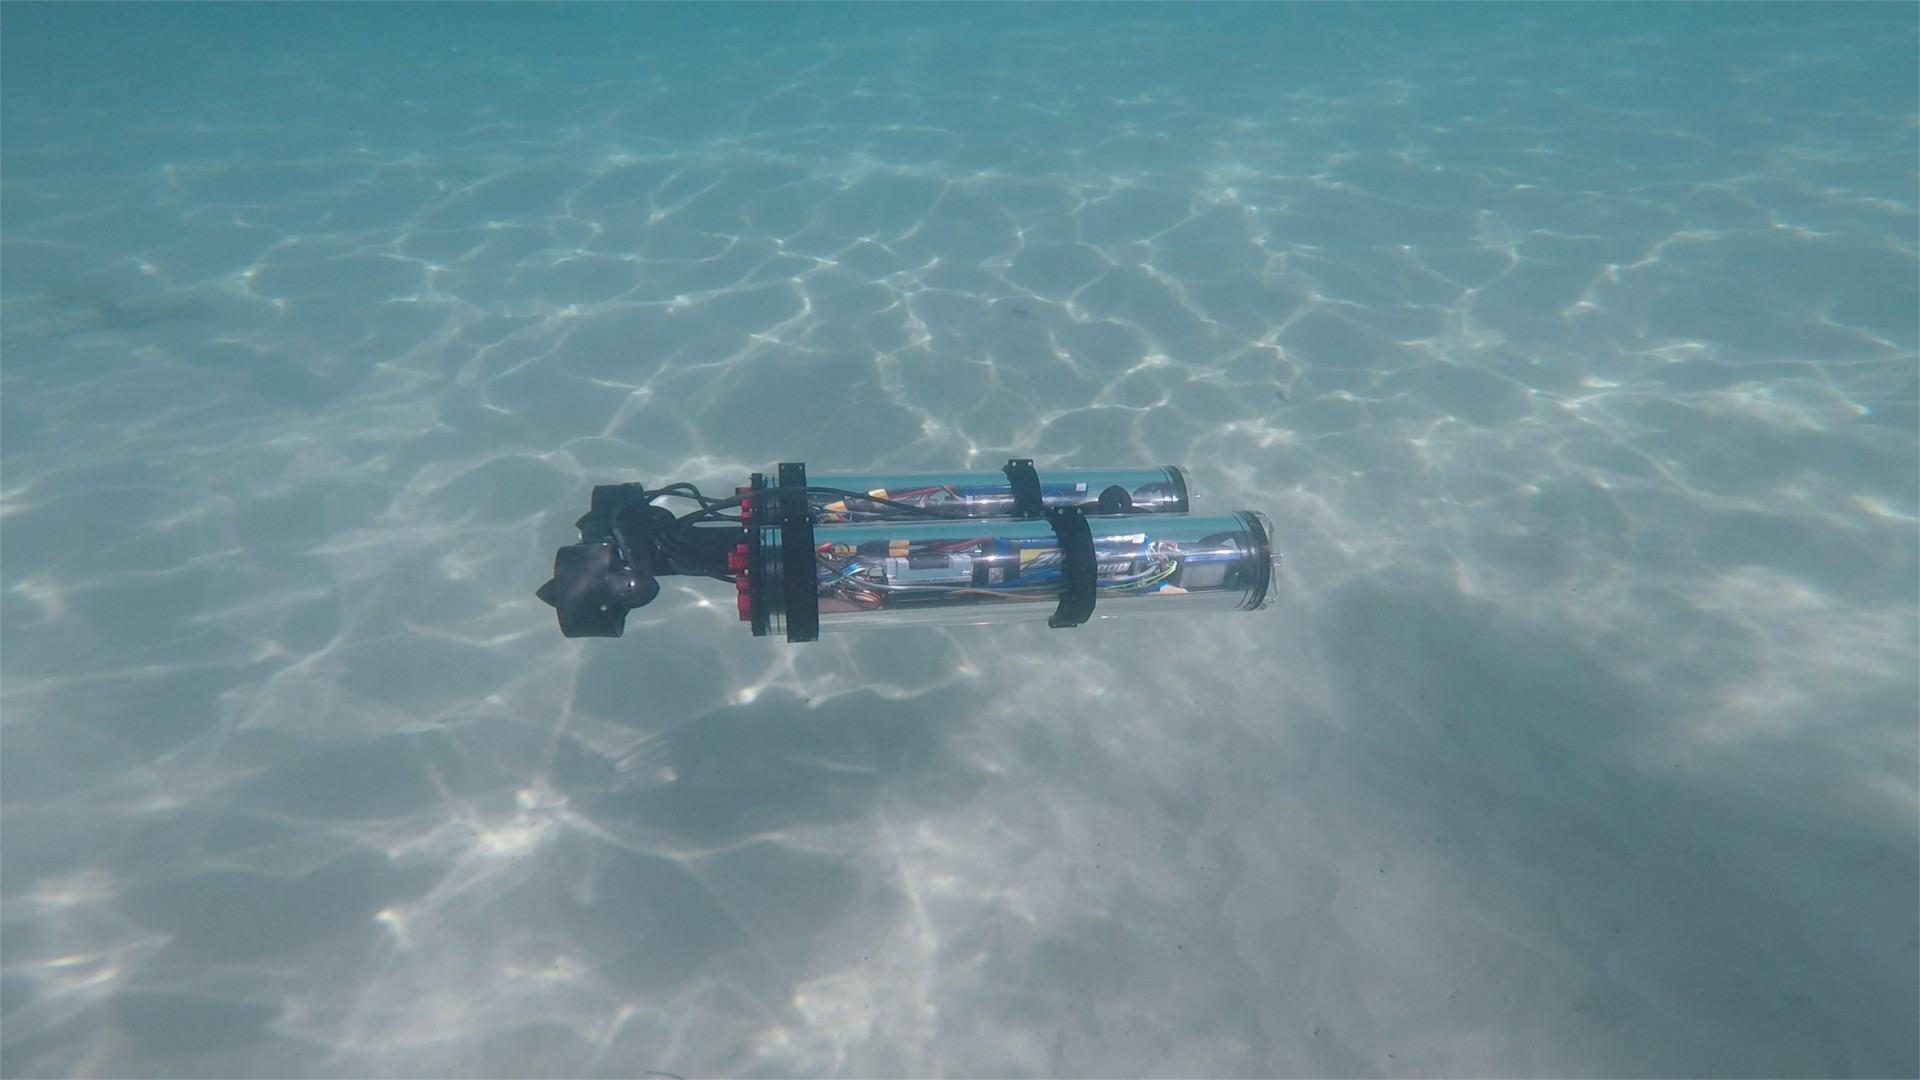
[(1571, 351)]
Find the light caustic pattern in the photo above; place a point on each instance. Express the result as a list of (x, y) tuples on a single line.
[(1578, 380)]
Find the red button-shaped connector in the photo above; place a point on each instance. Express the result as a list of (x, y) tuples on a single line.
[(737, 558), (745, 605)]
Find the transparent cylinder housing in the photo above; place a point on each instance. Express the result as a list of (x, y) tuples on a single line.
[(1158, 490), (1009, 569)]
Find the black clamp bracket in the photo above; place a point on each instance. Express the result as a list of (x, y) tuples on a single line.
[(1027, 500), (1079, 567), (800, 593)]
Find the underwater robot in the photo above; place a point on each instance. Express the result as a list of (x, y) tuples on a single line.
[(849, 552)]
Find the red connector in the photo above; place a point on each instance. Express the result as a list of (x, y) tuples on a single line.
[(743, 601)]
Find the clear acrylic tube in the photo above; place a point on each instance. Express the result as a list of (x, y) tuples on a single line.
[(1004, 570), (1158, 490)]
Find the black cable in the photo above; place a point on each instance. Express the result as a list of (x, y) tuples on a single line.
[(710, 510), (683, 490)]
